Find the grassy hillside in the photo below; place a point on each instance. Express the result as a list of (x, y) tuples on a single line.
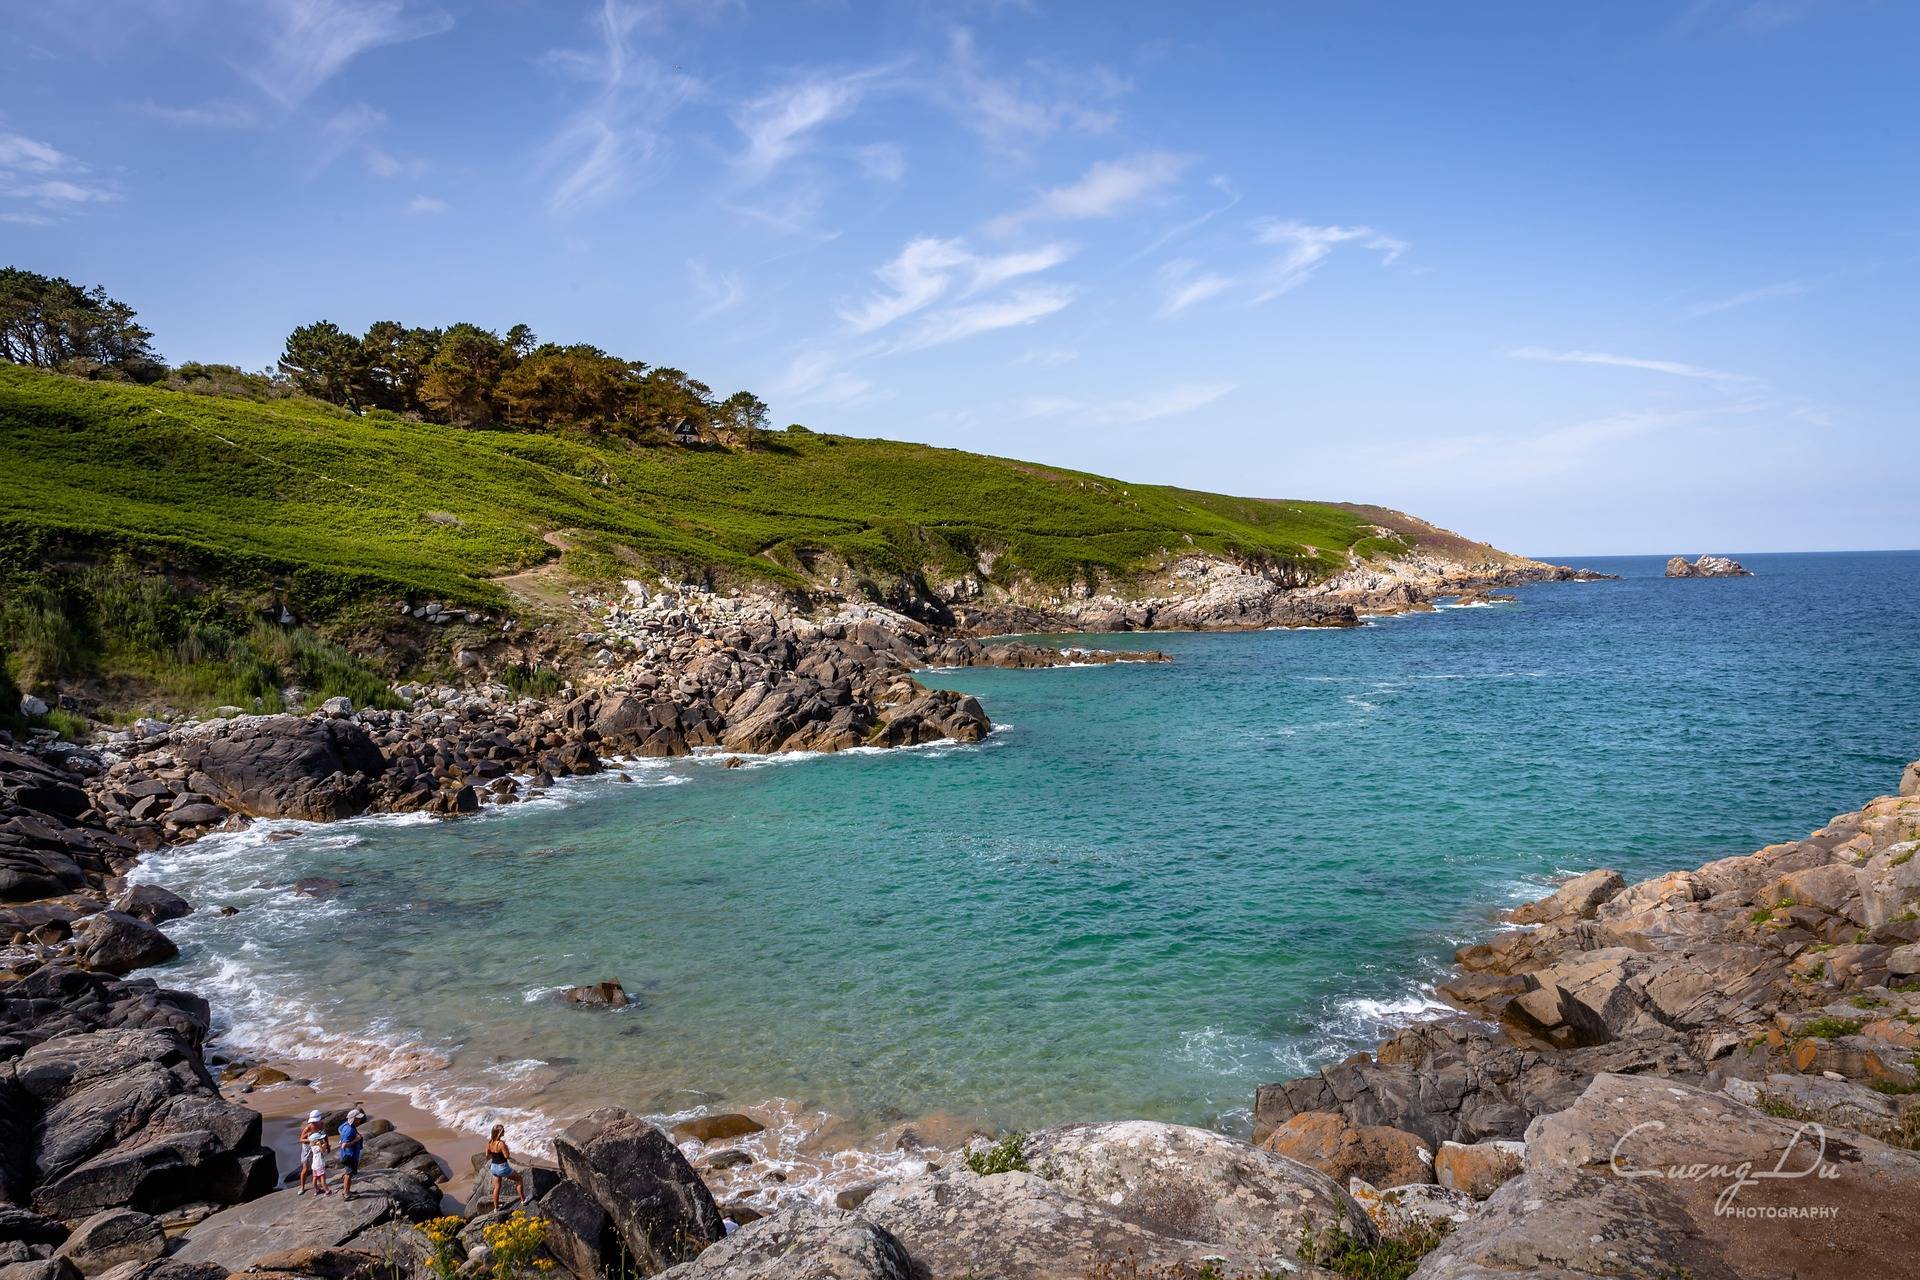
[(333, 505)]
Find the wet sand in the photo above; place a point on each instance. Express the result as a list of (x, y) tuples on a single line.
[(284, 1108)]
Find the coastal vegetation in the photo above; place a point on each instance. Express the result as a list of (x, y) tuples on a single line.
[(213, 535)]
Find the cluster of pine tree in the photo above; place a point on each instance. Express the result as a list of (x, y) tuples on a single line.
[(467, 376), (52, 323), (463, 375)]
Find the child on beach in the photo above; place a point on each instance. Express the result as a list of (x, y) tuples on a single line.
[(313, 1154), (500, 1165)]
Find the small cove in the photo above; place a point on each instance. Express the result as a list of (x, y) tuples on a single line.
[(1152, 889)]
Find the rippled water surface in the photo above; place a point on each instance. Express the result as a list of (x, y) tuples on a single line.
[(1152, 889)]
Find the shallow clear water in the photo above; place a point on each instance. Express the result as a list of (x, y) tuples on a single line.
[(1154, 888)]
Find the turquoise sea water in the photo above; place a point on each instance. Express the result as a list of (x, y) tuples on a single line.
[(1154, 888)]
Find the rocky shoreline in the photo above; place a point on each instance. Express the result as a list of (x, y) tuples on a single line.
[(1732, 1007), (1728, 1008)]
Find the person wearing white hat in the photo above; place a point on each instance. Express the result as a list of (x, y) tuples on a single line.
[(313, 1153)]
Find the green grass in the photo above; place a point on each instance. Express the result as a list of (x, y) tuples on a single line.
[(1395, 1257), (1829, 1028), (1008, 1155), (330, 506)]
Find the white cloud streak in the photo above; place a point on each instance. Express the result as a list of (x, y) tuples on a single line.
[(777, 124), (1183, 283), (298, 45), (37, 173), (718, 291), (618, 128), (1173, 402), (426, 205), (218, 114), (1013, 112), (882, 161), (926, 269), (1305, 247), (815, 377), (1785, 289), (1673, 367), (1018, 307), (1102, 191)]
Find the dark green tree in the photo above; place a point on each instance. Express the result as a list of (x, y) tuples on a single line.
[(742, 417), (327, 363), (52, 323), (396, 359), (458, 385)]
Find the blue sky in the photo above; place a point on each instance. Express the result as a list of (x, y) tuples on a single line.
[(1574, 278)]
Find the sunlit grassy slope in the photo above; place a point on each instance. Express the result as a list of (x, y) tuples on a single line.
[(343, 504)]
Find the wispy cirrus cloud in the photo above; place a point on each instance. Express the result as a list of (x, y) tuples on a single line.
[(1676, 368), (816, 377), (1304, 247), (1505, 457), (1172, 402), (882, 161), (777, 125), (1784, 289), (425, 205), (1011, 111), (39, 183), (351, 131), (1101, 192), (618, 128), (292, 47), (1183, 282), (927, 268), (215, 114), (717, 291), (1012, 310)]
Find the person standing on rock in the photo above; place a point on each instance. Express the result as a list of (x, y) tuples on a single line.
[(313, 1153), (500, 1165), (350, 1149)]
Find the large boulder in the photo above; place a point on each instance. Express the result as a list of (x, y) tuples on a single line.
[(805, 1242), (1642, 1176), (1180, 1181), (113, 942), (1577, 899), (113, 1237), (1384, 1156), (128, 1118), (660, 1209), (284, 766), (956, 1225), (239, 1237), (151, 903)]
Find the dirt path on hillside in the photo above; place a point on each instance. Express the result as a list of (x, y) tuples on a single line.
[(545, 584)]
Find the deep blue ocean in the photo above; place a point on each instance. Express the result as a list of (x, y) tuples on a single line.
[(1153, 888)]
